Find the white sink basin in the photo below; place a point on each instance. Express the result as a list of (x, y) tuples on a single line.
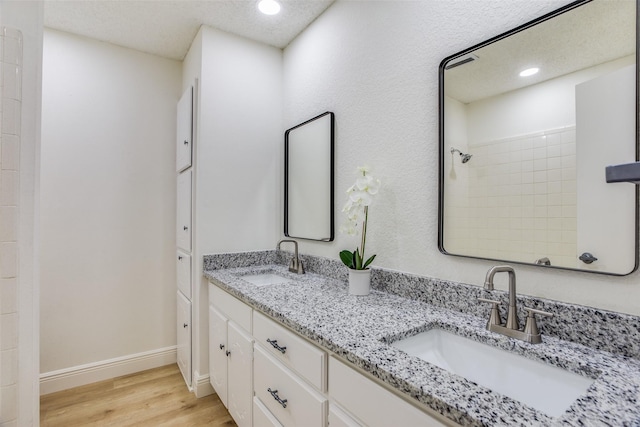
[(544, 387), (264, 279)]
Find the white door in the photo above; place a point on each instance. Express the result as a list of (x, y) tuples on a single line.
[(183, 326), (605, 135), (218, 353), (183, 211), (184, 130), (239, 369)]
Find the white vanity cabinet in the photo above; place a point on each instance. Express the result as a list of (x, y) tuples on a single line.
[(269, 376), (231, 354), (183, 211)]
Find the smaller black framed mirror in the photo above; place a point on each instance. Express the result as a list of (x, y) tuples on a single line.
[(309, 179)]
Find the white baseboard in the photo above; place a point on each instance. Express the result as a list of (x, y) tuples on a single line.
[(75, 376), (201, 385)]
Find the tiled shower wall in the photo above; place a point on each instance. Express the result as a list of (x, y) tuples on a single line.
[(521, 202), (10, 124)]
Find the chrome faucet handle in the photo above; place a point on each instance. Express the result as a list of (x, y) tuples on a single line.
[(494, 317), (531, 327)]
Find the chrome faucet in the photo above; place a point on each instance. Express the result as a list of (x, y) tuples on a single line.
[(511, 328), (295, 266)]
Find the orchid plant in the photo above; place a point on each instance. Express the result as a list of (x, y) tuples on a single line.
[(360, 195)]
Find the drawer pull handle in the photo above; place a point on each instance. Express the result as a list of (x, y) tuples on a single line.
[(274, 393), (274, 344), (221, 346)]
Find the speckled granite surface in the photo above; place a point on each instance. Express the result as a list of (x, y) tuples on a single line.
[(360, 328)]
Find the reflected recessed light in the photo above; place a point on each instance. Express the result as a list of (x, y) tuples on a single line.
[(529, 72), (269, 7)]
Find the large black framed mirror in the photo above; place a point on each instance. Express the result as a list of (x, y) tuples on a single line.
[(309, 179), (529, 120)]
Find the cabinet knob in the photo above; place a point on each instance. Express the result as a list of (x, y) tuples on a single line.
[(186, 142), (227, 352), (221, 346), (179, 258), (185, 325), (185, 228)]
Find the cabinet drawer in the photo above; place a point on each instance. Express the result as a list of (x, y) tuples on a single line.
[(371, 402), (303, 357), (303, 407), (183, 272), (261, 415), (339, 418), (231, 307)]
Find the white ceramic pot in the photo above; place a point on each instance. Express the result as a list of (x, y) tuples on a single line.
[(359, 281)]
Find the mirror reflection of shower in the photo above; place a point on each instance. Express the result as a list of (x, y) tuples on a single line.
[(464, 158)]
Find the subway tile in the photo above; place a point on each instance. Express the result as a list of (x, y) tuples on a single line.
[(8, 404), (9, 331), (568, 149), (527, 166), (554, 175), (569, 186), (8, 296), (8, 223), (554, 139), (8, 367), (569, 161), (12, 47), (11, 116), (8, 260), (539, 142), (540, 165), (554, 187), (12, 81), (10, 152), (540, 188), (554, 212), (569, 173), (9, 190), (554, 223), (540, 153), (554, 151), (540, 176), (569, 212), (569, 136), (540, 200)]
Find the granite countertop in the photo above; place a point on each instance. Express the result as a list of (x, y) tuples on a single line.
[(359, 328)]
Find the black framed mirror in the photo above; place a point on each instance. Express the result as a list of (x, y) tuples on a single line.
[(309, 179), (529, 120)]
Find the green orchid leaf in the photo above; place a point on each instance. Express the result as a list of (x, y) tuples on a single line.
[(369, 261), (347, 258)]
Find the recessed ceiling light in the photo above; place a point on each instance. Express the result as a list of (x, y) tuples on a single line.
[(269, 7), (529, 72)]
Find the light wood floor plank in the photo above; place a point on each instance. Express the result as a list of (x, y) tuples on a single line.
[(157, 397)]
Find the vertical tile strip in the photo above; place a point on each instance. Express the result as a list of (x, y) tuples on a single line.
[(10, 130)]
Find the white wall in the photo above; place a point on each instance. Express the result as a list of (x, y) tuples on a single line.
[(375, 64), (19, 394), (108, 202), (239, 147)]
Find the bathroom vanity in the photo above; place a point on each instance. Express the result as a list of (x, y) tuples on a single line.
[(322, 356)]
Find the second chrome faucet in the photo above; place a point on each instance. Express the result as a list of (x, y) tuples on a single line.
[(511, 328), (295, 266)]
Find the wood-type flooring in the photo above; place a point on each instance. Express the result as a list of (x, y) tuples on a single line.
[(157, 397)]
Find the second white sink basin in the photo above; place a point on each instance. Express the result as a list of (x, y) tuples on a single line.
[(264, 279), (544, 387)]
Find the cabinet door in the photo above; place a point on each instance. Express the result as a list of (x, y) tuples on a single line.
[(217, 353), (183, 273), (183, 211), (183, 327), (184, 130), (239, 370)]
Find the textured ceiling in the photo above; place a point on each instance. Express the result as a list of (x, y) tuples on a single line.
[(595, 33), (167, 28)]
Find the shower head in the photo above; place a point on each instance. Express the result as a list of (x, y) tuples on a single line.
[(464, 158)]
